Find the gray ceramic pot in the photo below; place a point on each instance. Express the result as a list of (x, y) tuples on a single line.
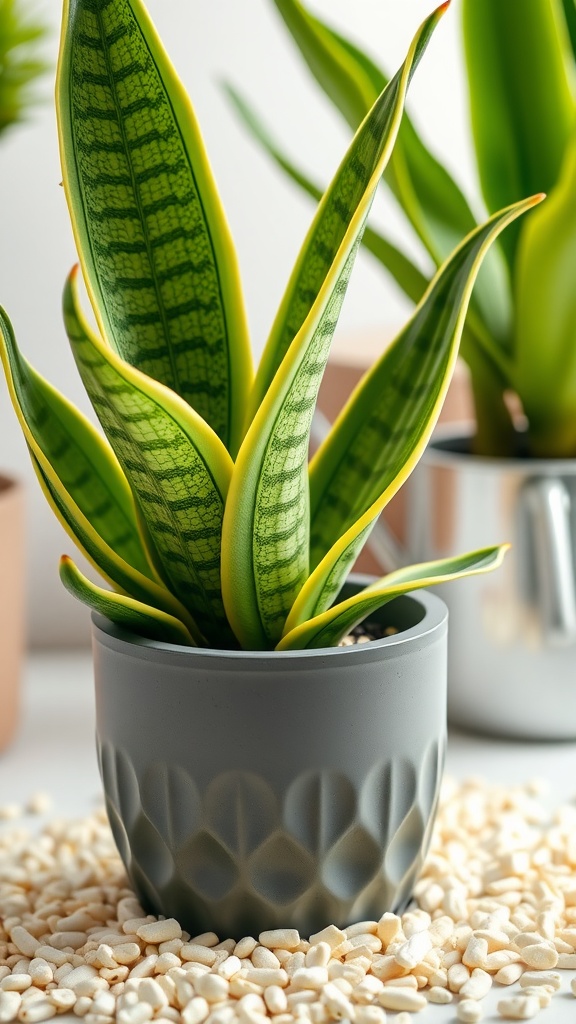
[(252, 790)]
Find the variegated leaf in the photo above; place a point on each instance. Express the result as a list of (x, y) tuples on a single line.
[(178, 469), (153, 240), (328, 229), (379, 436), (122, 577), (265, 535), (124, 611), (81, 459), (328, 628)]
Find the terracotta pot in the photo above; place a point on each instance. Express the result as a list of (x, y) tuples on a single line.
[(353, 354), (11, 603)]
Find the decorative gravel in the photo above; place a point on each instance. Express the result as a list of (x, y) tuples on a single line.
[(495, 906)]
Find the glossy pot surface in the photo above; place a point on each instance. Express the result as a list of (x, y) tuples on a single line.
[(512, 638), (252, 790)]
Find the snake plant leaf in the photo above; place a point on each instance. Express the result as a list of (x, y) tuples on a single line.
[(379, 437), (155, 247), (570, 15), (406, 274), (139, 618), (373, 142), (428, 194), (119, 574), (81, 459), (177, 467), (265, 531), (328, 628), (545, 362), (521, 102)]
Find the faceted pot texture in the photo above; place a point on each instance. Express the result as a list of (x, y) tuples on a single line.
[(253, 790)]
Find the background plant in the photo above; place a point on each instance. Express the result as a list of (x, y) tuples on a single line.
[(520, 333), (21, 36), (198, 506)]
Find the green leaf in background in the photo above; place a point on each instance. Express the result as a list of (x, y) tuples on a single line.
[(379, 436), (327, 629), (570, 15), (545, 360), (177, 467), (432, 201), (21, 36), (265, 534), (82, 461), (338, 203), (156, 252), (410, 279), (521, 100), (124, 611)]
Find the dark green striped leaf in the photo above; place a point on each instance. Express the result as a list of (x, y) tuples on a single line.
[(409, 278), (121, 576), (154, 243), (177, 467), (124, 611), (265, 534), (328, 628), (83, 462), (328, 229), (383, 429)]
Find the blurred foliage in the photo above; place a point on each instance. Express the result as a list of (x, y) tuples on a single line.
[(21, 63)]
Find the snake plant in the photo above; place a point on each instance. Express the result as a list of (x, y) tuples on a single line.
[(198, 506), (20, 64), (520, 333)]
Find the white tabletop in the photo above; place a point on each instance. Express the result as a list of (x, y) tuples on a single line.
[(54, 751)]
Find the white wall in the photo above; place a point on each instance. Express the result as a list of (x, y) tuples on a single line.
[(244, 41)]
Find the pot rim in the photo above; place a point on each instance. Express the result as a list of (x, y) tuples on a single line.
[(433, 623), (463, 431)]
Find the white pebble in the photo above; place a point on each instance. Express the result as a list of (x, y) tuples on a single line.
[(16, 983), (212, 987), (275, 999), (469, 1011), (439, 995), (551, 978), (338, 1005), (371, 1015), (280, 938), (519, 1007), (10, 1003), (318, 955), (477, 986), (24, 941), (198, 953), (397, 998), (541, 956), (245, 947), (510, 974), (160, 931), (310, 977)]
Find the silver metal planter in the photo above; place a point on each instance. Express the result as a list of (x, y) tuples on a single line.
[(252, 790), (512, 642)]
